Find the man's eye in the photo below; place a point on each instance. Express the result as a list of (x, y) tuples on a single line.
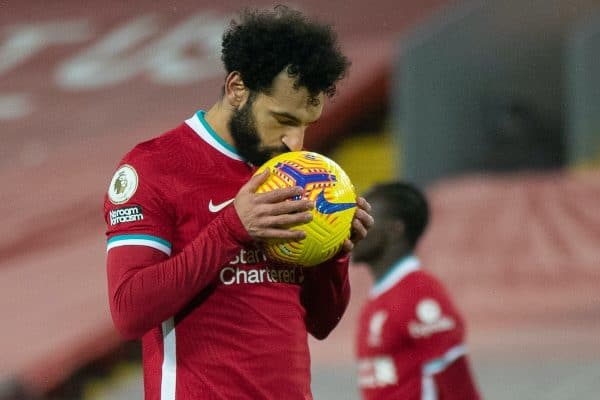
[(288, 122)]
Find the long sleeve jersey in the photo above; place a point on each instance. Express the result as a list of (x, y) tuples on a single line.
[(410, 340), (217, 319)]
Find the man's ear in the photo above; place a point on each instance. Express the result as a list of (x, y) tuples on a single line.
[(236, 91)]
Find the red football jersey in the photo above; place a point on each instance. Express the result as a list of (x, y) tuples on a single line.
[(410, 340), (217, 319)]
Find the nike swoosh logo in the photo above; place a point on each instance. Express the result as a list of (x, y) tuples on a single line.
[(325, 207), (218, 207)]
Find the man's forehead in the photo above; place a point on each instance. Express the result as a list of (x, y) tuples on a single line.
[(291, 105), (285, 87)]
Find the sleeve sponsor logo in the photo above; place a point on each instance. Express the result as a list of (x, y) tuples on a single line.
[(125, 214), (430, 320), (123, 185)]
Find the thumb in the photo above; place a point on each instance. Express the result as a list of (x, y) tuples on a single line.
[(254, 183)]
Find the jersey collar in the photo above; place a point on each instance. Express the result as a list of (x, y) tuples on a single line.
[(204, 130), (397, 271)]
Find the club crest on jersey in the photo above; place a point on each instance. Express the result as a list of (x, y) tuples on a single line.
[(123, 185), (376, 328)]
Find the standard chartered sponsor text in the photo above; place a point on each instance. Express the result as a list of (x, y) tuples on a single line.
[(418, 330), (237, 275)]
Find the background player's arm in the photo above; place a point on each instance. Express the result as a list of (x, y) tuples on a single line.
[(325, 295), (456, 382)]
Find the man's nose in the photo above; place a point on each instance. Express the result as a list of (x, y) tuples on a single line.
[(294, 138)]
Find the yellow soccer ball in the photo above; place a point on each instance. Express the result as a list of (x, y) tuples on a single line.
[(325, 183)]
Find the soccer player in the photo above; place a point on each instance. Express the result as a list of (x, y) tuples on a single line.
[(186, 274), (410, 337)]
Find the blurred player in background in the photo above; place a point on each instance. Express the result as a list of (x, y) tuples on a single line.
[(410, 338), (185, 272)]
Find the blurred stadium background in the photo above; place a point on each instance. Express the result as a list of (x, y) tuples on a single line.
[(492, 106)]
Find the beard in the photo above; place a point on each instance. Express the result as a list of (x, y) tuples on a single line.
[(246, 138)]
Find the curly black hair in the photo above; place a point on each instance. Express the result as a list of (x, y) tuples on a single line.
[(262, 43)]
